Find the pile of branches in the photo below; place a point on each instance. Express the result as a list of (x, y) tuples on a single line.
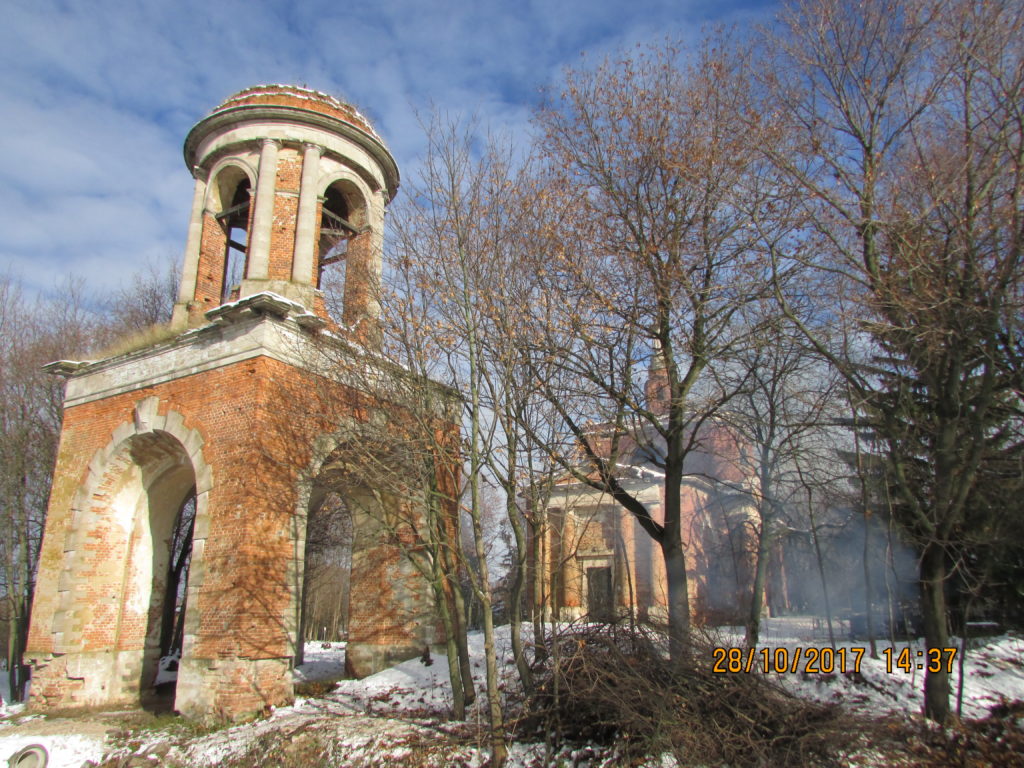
[(613, 684)]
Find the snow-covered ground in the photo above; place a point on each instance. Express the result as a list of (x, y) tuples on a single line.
[(69, 743), (323, 661), (993, 670), (400, 711)]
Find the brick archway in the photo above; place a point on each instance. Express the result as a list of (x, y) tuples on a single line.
[(391, 611), (110, 596)]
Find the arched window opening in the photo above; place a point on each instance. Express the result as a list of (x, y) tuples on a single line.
[(327, 574), (335, 231), (234, 220), (342, 219), (172, 629)]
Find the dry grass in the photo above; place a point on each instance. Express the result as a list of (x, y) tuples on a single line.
[(136, 340), (315, 689)]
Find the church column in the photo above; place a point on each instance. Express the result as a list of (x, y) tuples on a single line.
[(190, 269), (263, 215), (305, 225)]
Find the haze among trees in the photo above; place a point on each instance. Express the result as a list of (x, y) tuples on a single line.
[(837, 200), (810, 233)]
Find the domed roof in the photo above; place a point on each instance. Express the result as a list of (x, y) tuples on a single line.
[(299, 98), (284, 104)]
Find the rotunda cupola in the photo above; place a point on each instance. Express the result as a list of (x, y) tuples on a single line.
[(290, 190)]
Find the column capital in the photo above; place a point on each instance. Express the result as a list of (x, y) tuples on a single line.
[(276, 143), (310, 147)]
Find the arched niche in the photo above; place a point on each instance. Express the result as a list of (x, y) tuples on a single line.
[(350, 516), (331, 565), (390, 612)]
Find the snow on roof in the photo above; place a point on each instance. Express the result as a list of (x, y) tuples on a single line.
[(317, 101)]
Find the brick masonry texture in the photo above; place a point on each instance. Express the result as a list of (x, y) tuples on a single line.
[(232, 412), (258, 421)]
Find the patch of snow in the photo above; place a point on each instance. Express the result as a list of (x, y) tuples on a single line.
[(362, 720), (65, 750), (413, 687), (167, 670), (304, 94), (993, 671), (322, 661)]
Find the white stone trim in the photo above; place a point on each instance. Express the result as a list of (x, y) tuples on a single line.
[(344, 149), (263, 213), (190, 354), (241, 162), (341, 173)]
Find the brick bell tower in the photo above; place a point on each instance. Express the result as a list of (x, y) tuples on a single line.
[(187, 469)]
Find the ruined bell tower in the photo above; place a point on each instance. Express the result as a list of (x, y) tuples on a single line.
[(187, 468)]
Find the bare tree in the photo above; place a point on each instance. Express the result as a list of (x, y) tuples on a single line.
[(147, 299), (31, 335), (908, 150), (457, 268), (646, 267), (782, 412)]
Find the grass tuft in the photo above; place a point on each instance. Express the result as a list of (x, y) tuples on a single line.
[(136, 340)]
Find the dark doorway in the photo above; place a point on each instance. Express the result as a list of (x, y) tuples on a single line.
[(599, 594)]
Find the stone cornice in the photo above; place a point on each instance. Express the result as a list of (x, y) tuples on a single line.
[(225, 119)]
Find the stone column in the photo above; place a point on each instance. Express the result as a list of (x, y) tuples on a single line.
[(263, 216), (305, 225), (190, 269)]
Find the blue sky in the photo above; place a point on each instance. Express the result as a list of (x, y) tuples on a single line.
[(96, 97)]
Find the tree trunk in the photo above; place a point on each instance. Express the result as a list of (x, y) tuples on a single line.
[(516, 593), (760, 575), (458, 618), (678, 599), (15, 646), (540, 572), (936, 635), (300, 630), (868, 586), (821, 567), (442, 592), (672, 549)]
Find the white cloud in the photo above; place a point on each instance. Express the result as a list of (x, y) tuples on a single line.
[(96, 98)]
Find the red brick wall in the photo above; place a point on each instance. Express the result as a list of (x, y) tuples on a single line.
[(258, 419), (210, 277), (286, 206)]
